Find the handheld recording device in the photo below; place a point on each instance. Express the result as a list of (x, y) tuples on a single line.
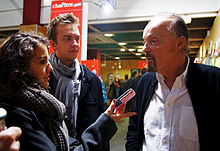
[(125, 97), (3, 114)]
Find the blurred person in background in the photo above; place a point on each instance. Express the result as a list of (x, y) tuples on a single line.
[(143, 71), (115, 89), (123, 82), (131, 83)]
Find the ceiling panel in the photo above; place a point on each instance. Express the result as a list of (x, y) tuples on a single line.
[(131, 33), (126, 37), (103, 46), (120, 26)]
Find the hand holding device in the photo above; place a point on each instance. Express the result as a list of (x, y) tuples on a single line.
[(118, 113), (125, 97)]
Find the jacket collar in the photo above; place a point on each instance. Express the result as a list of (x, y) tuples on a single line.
[(84, 77)]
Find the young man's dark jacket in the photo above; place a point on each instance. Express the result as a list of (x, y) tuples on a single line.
[(203, 84), (90, 102)]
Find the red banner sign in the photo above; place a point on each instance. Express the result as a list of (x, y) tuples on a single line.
[(68, 6), (142, 64)]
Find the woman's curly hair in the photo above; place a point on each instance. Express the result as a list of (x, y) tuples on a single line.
[(16, 53)]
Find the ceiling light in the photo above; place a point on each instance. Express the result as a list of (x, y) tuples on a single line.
[(187, 19), (143, 57), (140, 50), (140, 47), (122, 49), (122, 43), (107, 8), (131, 49), (113, 3), (117, 58), (138, 54), (108, 35), (102, 3)]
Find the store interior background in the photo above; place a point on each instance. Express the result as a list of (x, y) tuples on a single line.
[(125, 20)]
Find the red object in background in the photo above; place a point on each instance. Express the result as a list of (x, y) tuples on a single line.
[(68, 6), (94, 61), (93, 66), (31, 12), (142, 64)]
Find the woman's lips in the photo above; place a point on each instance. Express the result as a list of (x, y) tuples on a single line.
[(47, 78)]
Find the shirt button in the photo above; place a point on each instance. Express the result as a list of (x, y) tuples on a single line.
[(165, 141), (168, 104), (167, 123)]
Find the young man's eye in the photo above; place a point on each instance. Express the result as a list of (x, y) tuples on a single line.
[(68, 38)]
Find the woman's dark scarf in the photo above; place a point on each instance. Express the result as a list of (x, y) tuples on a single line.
[(47, 108)]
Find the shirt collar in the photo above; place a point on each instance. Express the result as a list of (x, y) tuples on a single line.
[(186, 70), (160, 77)]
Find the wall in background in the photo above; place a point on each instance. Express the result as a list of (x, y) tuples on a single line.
[(210, 49), (11, 11), (111, 69)]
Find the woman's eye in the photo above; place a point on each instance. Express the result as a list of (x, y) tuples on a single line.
[(43, 62), (77, 38)]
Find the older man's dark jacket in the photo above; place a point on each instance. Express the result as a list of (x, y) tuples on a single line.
[(203, 84)]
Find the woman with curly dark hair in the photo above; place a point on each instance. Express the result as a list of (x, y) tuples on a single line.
[(16, 55), (24, 75)]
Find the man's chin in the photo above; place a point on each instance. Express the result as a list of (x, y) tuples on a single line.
[(151, 68), (72, 58)]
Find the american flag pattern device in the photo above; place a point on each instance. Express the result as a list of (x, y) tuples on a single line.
[(125, 97)]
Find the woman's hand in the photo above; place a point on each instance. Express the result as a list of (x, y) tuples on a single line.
[(118, 114)]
